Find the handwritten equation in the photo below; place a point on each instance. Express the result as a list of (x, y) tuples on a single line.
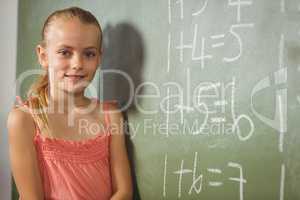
[(198, 47), (191, 181), (195, 47)]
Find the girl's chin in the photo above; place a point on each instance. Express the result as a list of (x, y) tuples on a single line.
[(72, 90), (75, 84), (75, 90), (73, 87)]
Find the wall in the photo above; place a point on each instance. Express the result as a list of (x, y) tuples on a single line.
[(8, 50)]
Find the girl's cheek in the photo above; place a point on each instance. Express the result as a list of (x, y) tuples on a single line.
[(58, 69), (56, 74), (93, 64), (59, 64)]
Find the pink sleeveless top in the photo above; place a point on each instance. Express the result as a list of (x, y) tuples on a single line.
[(75, 170)]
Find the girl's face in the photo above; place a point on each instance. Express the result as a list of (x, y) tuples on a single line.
[(72, 54)]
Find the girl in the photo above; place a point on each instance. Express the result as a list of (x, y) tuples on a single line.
[(54, 152)]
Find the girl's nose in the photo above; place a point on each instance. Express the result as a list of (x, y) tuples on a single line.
[(77, 62)]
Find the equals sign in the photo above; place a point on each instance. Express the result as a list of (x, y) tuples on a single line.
[(218, 119), (220, 103), (187, 108), (215, 37), (214, 183)]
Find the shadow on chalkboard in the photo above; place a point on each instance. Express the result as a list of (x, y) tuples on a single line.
[(122, 65), (293, 53)]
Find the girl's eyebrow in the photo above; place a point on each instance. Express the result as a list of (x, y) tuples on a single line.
[(64, 46), (69, 47), (92, 47)]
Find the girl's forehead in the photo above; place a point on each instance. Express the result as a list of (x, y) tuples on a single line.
[(72, 32)]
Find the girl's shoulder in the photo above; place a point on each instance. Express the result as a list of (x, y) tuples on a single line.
[(108, 105), (111, 104), (20, 111), (20, 125)]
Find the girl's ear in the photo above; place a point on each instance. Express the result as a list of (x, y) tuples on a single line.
[(42, 56)]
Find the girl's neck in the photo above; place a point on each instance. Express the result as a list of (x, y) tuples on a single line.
[(66, 103)]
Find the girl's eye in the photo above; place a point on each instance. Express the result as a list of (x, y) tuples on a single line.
[(90, 54), (65, 52)]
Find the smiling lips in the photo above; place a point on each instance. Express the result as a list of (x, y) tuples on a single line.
[(74, 77)]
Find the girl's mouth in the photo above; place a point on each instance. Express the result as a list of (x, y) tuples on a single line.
[(74, 77)]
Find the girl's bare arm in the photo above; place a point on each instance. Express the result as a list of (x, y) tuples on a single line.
[(120, 167), (23, 158)]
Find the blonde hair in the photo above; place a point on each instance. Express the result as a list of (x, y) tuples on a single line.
[(38, 93)]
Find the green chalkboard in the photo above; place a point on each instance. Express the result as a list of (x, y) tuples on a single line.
[(212, 95)]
